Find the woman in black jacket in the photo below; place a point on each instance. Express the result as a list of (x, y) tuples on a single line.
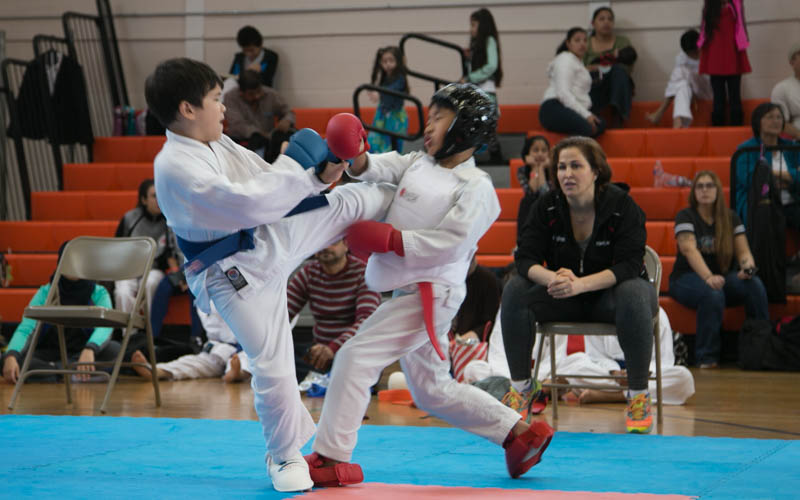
[(580, 257)]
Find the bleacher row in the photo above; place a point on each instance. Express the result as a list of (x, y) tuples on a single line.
[(96, 195)]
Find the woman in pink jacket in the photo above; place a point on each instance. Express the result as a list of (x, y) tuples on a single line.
[(723, 55)]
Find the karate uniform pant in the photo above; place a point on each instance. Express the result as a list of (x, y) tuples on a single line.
[(125, 290), (396, 331), (207, 364), (261, 322), (683, 85)]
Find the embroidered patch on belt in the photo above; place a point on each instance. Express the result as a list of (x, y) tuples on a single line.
[(236, 278)]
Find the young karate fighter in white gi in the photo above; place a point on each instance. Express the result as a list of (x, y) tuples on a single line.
[(229, 210), (442, 207)]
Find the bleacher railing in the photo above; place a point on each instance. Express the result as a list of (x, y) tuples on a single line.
[(437, 81), (395, 136)]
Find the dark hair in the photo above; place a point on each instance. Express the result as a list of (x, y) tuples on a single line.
[(689, 40), (143, 188), (723, 231), (593, 153), (486, 28), (249, 80), (598, 10), (177, 80), (378, 75), (572, 32), (529, 142), (249, 37), (759, 113)]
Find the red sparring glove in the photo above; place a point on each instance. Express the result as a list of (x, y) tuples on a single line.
[(369, 236), (344, 135)]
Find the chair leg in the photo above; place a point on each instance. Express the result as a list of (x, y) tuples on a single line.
[(538, 356), (117, 364), (152, 355), (23, 373), (62, 348), (553, 376), (659, 395)]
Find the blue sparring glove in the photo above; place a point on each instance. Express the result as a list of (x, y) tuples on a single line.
[(308, 149)]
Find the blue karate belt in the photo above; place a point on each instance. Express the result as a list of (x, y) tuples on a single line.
[(202, 254)]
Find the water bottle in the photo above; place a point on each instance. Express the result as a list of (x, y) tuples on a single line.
[(661, 178), (117, 121), (658, 174)]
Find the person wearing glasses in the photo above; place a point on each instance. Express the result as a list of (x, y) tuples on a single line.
[(714, 267)]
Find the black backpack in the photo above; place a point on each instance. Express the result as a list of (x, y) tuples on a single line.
[(763, 346), (766, 231)]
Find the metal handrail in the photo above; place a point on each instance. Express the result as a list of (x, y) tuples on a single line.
[(395, 136), (753, 149), (437, 81)]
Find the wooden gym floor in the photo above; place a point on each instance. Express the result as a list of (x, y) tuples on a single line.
[(728, 402)]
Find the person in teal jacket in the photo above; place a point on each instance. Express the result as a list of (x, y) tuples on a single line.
[(83, 344), (767, 122)]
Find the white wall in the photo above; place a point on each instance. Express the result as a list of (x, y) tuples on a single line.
[(326, 48)]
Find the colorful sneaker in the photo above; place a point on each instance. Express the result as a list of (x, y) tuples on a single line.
[(639, 414), (521, 402)]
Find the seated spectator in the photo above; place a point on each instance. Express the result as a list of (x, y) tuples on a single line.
[(767, 122), (786, 94), (254, 56), (566, 107), (714, 267), (84, 345), (174, 283), (211, 362), (334, 288), (533, 175), (602, 356), (145, 220), (610, 57), (251, 113), (591, 236), (685, 83)]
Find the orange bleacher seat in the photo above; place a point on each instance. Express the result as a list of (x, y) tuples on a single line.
[(513, 166), (13, 301), (81, 205), (509, 203), (623, 143), (31, 270), (501, 239), (105, 176), (667, 263), (675, 142), (494, 260), (518, 118), (315, 118), (722, 141), (683, 319), (178, 311), (127, 149), (43, 236), (660, 237), (660, 203), (719, 165)]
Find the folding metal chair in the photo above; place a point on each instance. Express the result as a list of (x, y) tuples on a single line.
[(97, 259), (550, 330)]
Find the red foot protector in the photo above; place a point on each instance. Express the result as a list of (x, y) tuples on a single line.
[(340, 474), (525, 451)]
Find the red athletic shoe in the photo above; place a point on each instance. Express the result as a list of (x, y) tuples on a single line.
[(525, 451), (340, 474)]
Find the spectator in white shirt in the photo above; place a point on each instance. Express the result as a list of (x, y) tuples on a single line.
[(786, 94), (566, 105)]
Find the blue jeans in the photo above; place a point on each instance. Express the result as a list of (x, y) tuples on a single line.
[(691, 291), (158, 309)]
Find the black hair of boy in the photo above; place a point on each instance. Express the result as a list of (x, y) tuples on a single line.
[(248, 36), (249, 80), (177, 80), (689, 40)]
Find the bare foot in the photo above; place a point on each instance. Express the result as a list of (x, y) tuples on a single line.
[(235, 374), (138, 357), (653, 117)]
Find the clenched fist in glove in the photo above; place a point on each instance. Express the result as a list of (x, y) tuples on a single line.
[(369, 236), (346, 136)]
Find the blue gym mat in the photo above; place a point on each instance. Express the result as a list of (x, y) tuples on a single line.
[(122, 457)]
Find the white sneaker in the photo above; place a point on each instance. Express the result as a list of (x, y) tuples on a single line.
[(290, 475)]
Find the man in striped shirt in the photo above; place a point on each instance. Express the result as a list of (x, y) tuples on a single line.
[(333, 285)]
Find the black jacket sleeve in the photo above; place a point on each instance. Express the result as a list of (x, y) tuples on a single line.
[(534, 238), (629, 242)]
